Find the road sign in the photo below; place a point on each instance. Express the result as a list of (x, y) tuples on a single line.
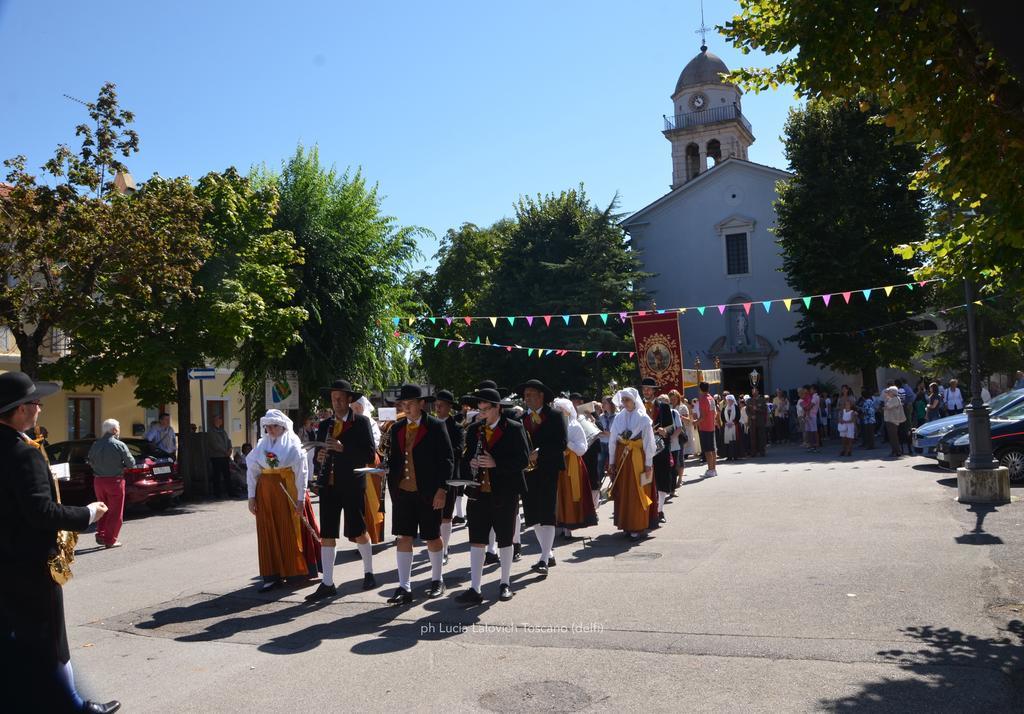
[(283, 393), (201, 373)]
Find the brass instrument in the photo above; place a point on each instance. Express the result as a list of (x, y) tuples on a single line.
[(60, 562)]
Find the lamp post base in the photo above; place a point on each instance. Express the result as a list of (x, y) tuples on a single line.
[(983, 485)]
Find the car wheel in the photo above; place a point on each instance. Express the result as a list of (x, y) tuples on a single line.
[(1013, 459)]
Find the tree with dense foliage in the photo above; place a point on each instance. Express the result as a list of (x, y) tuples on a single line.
[(939, 82), (353, 278), (847, 206)]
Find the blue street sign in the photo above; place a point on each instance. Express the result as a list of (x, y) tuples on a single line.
[(201, 373)]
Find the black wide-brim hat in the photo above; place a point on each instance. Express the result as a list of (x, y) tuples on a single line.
[(549, 394), (412, 391), (487, 394), (491, 384), (648, 382), (16, 388), (341, 385), (466, 400), (443, 395)]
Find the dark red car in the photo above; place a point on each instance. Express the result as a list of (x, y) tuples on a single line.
[(154, 481)]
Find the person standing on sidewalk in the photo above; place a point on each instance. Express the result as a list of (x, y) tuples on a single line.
[(109, 457), (867, 409), (707, 422), (894, 415), (219, 445), (757, 418)]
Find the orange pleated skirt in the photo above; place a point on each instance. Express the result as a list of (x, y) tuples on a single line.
[(278, 529), (632, 500), (575, 505)]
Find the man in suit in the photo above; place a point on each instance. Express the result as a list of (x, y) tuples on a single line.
[(496, 454), (33, 638), (420, 463), (547, 432), (349, 446), (661, 418), (444, 407)]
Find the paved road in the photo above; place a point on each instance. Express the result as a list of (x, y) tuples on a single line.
[(794, 583)]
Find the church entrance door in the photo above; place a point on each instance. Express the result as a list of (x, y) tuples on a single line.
[(737, 379)]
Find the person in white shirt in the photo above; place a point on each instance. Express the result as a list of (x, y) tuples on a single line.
[(954, 398)]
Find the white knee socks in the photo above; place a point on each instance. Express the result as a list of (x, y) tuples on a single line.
[(517, 531), (435, 564), (460, 506), (446, 535), (662, 496), (492, 545), (597, 498), (505, 555), (327, 556), (546, 539), (366, 551), (404, 569), (476, 566)]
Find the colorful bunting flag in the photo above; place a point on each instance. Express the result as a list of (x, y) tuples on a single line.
[(584, 318), (566, 318), (826, 298), (807, 300), (721, 309), (788, 302), (604, 318), (511, 320), (547, 320), (701, 310), (867, 294), (494, 321), (746, 307), (888, 290), (767, 305), (529, 320), (449, 321), (395, 320), (846, 297)]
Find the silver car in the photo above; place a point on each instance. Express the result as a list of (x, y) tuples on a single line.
[(925, 438)]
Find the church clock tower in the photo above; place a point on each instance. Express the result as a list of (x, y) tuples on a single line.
[(707, 125)]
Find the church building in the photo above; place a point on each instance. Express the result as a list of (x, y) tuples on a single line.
[(708, 241)]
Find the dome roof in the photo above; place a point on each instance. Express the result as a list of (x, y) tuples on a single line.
[(705, 68)]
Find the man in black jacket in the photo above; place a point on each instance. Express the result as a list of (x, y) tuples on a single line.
[(349, 446), (548, 438), (420, 463), (33, 638), (661, 419), (444, 407), (496, 453)]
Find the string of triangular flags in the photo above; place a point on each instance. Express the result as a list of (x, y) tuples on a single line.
[(623, 315), (915, 318), (428, 341)]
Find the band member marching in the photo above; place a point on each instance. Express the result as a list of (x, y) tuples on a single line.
[(496, 455), (548, 436), (349, 446), (509, 412), (444, 408), (661, 421), (630, 457), (575, 506), (420, 462)]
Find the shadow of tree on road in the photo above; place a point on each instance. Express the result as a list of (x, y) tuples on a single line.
[(952, 672)]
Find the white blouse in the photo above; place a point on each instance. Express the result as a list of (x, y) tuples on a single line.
[(577, 438), (289, 455), (638, 424)]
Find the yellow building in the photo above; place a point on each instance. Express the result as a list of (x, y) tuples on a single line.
[(79, 413)]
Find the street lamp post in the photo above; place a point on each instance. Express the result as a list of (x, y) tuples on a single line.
[(978, 427)]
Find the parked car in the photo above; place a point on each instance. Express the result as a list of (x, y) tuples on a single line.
[(926, 437), (1007, 443), (154, 481)]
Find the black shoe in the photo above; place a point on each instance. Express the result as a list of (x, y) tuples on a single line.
[(661, 518), (469, 597), (401, 597), (268, 586), (458, 521), (540, 567), (491, 559), (635, 537), (369, 582), (505, 592), (436, 589), (97, 708), (517, 552), (551, 562), (322, 592), (444, 559)]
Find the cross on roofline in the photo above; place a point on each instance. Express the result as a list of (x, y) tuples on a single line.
[(702, 30)]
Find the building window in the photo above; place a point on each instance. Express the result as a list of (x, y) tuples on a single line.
[(737, 259), (81, 417)]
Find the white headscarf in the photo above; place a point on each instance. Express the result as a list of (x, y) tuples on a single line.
[(627, 392), (287, 448), (575, 436), (636, 422), (368, 413), (367, 406)]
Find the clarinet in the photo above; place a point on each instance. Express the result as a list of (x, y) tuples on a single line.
[(473, 491)]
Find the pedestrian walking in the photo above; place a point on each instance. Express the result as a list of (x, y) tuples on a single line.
[(218, 444), (109, 457)]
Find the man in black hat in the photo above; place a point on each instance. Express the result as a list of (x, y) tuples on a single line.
[(509, 412), (496, 454), (661, 419), (349, 440), (548, 438), (33, 639), (420, 464), (444, 408)]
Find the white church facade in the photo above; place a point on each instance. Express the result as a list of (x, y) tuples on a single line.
[(708, 241)]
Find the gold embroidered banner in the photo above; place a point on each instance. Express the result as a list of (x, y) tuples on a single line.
[(659, 349)]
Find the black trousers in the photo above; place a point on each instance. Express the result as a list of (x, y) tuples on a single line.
[(220, 473), (486, 512)]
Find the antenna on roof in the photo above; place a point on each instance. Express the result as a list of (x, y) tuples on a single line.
[(702, 30)]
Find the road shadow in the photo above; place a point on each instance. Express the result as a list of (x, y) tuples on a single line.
[(978, 536), (955, 672)]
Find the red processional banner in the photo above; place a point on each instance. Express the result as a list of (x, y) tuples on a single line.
[(659, 349)]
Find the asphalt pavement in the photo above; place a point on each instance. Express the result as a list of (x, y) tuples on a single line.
[(798, 582)]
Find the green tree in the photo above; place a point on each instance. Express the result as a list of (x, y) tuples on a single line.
[(353, 278), (560, 254), (940, 83), (848, 205)]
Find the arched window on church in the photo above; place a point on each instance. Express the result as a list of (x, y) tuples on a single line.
[(692, 161), (715, 151)]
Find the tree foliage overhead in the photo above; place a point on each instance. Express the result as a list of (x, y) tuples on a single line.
[(847, 206), (353, 277), (560, 254), (939, 83)]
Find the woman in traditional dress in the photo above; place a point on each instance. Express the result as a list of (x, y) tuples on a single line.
[(364, 406), (731, 429), (631, 458), (277, 475), (574, 507)]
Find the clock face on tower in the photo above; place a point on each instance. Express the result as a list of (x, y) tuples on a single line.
[(698, 101)]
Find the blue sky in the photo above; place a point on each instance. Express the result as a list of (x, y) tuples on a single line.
[(455, 108)]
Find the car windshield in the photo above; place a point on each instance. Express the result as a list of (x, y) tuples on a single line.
[(1003, 399), (1013, 413)]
